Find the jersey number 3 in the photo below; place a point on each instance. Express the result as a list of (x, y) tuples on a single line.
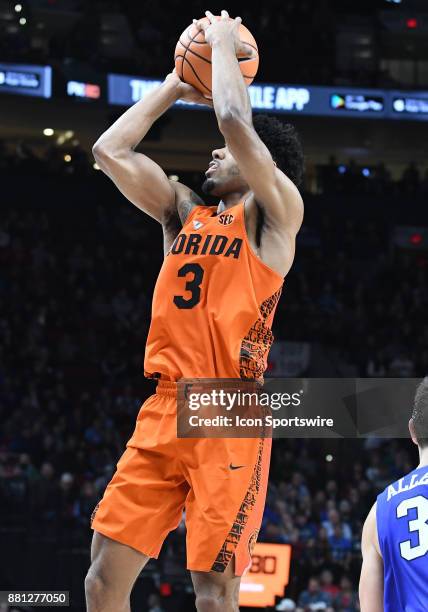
[(193, 285), (419, 525)]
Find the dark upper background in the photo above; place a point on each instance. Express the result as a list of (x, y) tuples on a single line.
[(348, 42), (366, 42)]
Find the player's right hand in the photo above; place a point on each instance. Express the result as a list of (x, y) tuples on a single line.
[(186, 91)]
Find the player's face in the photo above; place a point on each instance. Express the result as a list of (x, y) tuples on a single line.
[(223, 175)]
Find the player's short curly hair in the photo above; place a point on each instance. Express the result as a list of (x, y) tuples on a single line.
[(420, 413), (284, 145)]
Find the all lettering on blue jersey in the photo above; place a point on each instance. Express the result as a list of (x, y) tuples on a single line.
[(402, 526)]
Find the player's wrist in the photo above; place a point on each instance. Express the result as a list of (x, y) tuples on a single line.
[(174, 85), (223, 42)]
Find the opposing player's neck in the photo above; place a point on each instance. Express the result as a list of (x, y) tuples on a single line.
[(423, 457), (231, 199)]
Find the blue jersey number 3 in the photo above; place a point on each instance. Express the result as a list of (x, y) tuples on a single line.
[(419, 525)]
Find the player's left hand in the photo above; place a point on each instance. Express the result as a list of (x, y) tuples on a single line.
[(223, 29), (186, 92)]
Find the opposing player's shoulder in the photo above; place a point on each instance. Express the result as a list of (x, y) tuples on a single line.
[(371, 518), (370, 536), (185, 200)]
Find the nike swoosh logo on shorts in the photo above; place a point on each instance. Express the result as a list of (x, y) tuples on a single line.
[(235, 467)]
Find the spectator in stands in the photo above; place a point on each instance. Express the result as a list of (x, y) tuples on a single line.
[(401, 367), (333, 521), (85, 503), (45, 496), (340, 546), (424, 184), (327, 584), (286, 604), (313, 598), (410, 179), (154, 603), (347, 599)]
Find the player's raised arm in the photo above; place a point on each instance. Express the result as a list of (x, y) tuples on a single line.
[(371, 580), (138, 177), (274, 192)]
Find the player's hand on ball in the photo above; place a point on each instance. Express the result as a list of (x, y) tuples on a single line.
[(186, 92), (218, 30)]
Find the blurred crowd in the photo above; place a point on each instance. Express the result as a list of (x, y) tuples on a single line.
[(351, 177), (335, 177), (78, 268), (358, 294), (112, 35)]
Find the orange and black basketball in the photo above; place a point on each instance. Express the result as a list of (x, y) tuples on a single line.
[(193, 58)]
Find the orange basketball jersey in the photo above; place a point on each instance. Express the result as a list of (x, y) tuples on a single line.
[(213, 303)]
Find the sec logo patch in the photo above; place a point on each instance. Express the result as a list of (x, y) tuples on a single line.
[(225, 218)]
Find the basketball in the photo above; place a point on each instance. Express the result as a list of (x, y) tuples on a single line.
[(193, 58)]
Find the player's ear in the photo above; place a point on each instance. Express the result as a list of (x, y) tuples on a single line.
[(412, 432)]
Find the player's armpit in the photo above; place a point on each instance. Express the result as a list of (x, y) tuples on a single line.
[(140, 179), (274, 192), (185, 200), (371, 579)]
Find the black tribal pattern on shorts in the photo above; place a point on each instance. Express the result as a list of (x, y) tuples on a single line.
[(232, 540)]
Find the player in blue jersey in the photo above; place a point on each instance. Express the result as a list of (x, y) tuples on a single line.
[(394, 575)]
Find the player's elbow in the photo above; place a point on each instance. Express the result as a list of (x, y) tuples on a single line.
[(107, 156), (230, 119), (228, 114), (101, 152)]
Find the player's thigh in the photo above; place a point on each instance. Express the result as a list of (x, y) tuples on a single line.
[(224, 506), (114, 564), (217, 585)]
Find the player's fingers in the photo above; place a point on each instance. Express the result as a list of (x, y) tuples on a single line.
[(238, 20), (224, 14), (201, 25), (210, 16)]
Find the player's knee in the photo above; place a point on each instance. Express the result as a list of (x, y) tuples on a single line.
[(208, 603), (99, 594), (95, 586)]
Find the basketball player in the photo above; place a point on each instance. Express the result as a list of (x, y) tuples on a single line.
[(212, 313), (394, 575)]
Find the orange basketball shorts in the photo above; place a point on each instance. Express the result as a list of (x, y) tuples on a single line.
[(220, 483)]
